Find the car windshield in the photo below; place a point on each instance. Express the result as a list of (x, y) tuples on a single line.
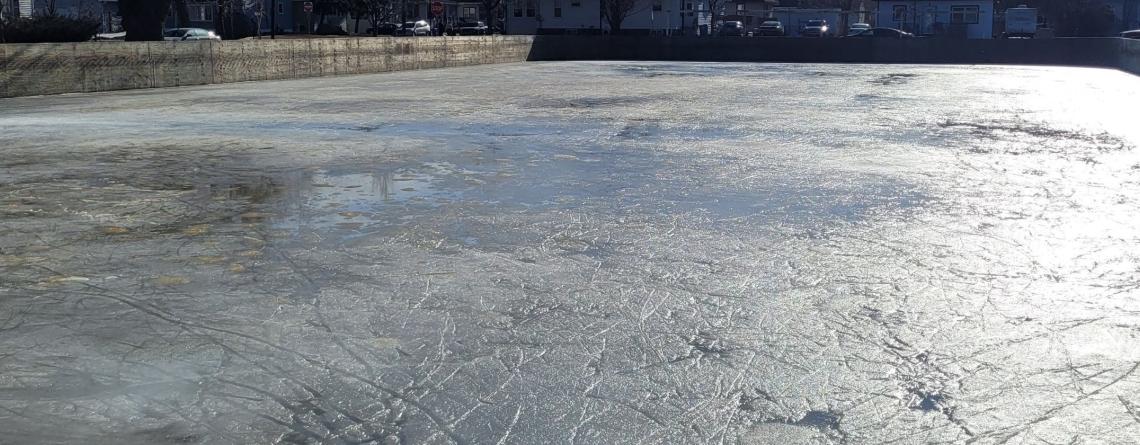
[(730, 25), (816, 23), (770, 24), (175, 32)]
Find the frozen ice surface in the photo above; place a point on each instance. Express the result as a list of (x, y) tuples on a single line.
[(577, 253)]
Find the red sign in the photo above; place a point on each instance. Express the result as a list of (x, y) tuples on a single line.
[(437, 8), (308, 6)]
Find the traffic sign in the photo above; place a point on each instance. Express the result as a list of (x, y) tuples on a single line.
[(308, 6), (437, 8)]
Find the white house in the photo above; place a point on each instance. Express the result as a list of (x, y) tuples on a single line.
[(67, 8), (973, 19), (584, 16)]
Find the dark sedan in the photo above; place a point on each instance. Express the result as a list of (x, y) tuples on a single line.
[(771, 28), (731, 29), (473, 29), (385, 29), (889, 33), (815, 28)]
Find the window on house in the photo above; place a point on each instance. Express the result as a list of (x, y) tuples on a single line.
[(656, 5), (281, 7), (740, 7), (530, 8), (899, 13), (201, 13), (558, 8), (964, 14), (688, 6), (468, 12), (518, 10)]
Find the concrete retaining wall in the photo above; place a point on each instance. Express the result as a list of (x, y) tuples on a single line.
[(48, 68), (1130, 56), (31, 69), (1097, 52)]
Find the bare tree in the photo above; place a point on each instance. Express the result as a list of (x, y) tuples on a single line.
[(374, 12), (1078, 18), (616, 11), (4, 5), (182, 12), (329, 7), (491, 9), (716, 7), (142, 19)]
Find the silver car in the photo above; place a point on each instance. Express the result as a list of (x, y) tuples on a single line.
[(180, 34), (416, 28)]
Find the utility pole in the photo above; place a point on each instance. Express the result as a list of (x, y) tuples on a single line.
[(273, 19)]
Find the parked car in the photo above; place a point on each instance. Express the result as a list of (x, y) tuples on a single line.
[(328, 29), (384, 29), (857, 27), (473, 29), (179, 34), (416, 28), (881, 33), (815, 28), (770, 28), (732, 29), (111, 36), (1133, 34)]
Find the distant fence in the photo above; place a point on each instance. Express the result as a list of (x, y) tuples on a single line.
[(46, 68), (52, 68)]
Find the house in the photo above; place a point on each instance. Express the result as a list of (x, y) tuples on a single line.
[(292, 18), (454, 13), (68, 8), (970, 19), (584, 16), (748, 12), (200, 15), (106, 11)]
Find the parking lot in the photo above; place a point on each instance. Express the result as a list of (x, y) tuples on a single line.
[(586, 252)]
